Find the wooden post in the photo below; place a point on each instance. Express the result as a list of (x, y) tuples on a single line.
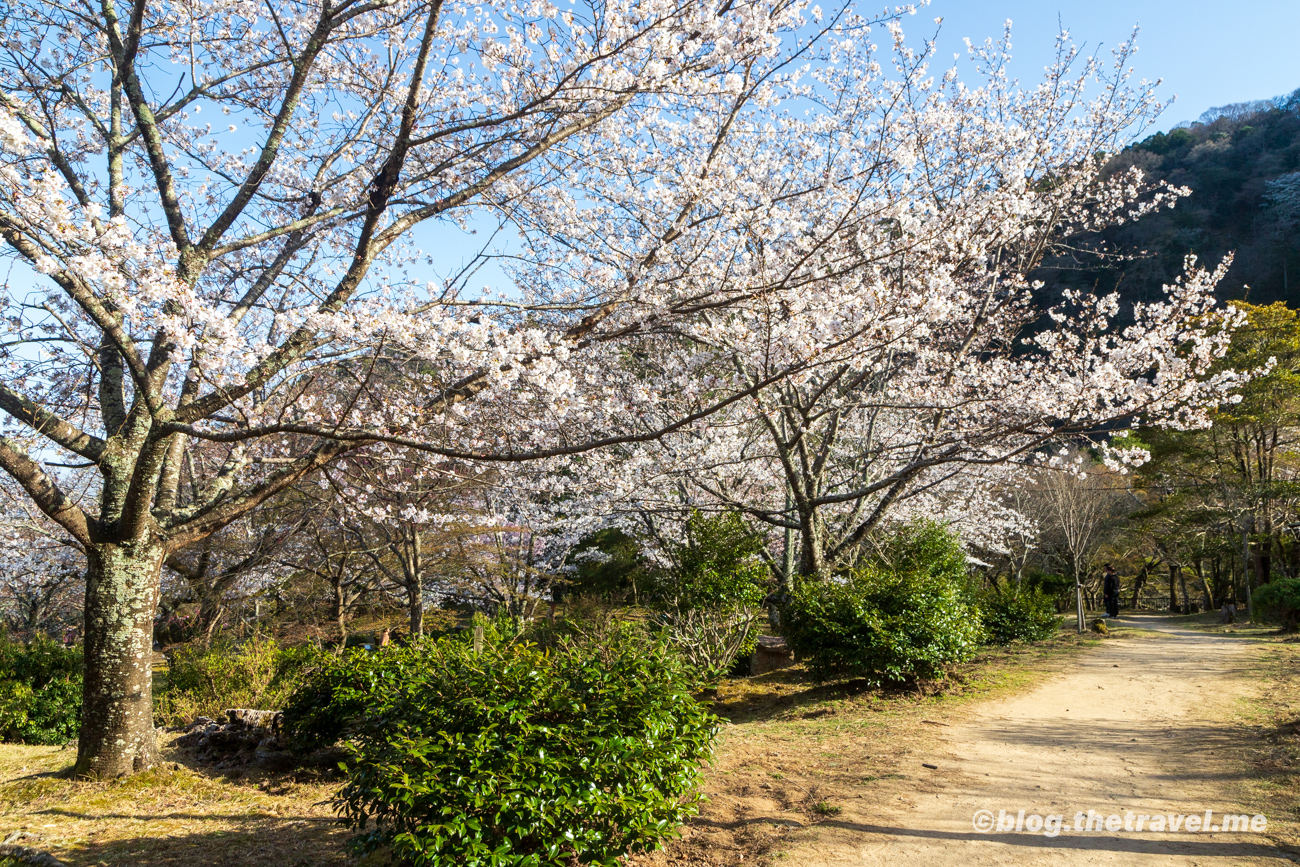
[(1246, 523), (1078, 602), (478, 639)]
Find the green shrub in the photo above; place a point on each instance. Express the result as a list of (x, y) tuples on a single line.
[(709, 597), (522, 756), (333, 695), (717, 568), (1017, 614), (204, 681), (906, 615), (925, 548), (40, 692), (1059, 589), (886, 627), (1279, 600)]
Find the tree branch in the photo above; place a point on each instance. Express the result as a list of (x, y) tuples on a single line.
[(45, 492), (49, 425)]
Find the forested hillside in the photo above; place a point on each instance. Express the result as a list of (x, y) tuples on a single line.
[(1242, 164)]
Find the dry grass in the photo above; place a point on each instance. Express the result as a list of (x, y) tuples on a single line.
[(173, 814), (1268, 754)]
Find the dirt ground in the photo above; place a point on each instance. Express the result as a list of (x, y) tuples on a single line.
[(173, 815), (798, 758), (1153, 719), (1144, 725)]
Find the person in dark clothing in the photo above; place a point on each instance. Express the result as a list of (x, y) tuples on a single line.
[(1110, 592)]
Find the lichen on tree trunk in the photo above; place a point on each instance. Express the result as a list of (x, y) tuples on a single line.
[(117, 733)]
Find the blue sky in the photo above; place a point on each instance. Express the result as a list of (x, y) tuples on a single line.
[(1208, 54)]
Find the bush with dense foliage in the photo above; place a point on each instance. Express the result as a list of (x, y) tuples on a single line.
[(709, 596), (333, 695), (1017, 614), (907, 614), (519, 755), (1279, 600), (40, 691), (257, 672), (716, 567)]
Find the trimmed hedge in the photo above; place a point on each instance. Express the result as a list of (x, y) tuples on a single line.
[(515, 757)]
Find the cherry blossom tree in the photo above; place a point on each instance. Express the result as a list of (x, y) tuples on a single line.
[(721, 210), (403, 515), (937, 356), (242, 558), (216, 207), (42, 569)]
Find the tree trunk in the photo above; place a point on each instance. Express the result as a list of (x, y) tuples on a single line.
[(1182, 582), (1263, 563), (1137, 584), (811, 561), (1078, 603), (117, 735), (1173, 588), (1234, 578), (1246, 526), (415, 607), (1205, 586), (414, 566), (338, 609)]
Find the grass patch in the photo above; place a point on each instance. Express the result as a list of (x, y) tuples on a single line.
[(1269, 751), (172, 814)]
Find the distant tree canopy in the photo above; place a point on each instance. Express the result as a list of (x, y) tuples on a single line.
[(1242, 164)]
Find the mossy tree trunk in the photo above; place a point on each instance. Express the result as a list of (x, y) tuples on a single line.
[(117, 733)]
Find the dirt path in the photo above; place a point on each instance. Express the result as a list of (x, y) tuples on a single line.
[(1133, 727)]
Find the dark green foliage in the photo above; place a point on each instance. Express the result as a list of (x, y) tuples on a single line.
[(1164, 143), (710, 596), (1228, 162), (617, 573), (1059, 588), (521, 756), (335, 693), (925, 548), (40, 692), (1279, 600), (717, 568), (908, 615), (1017, 614)]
